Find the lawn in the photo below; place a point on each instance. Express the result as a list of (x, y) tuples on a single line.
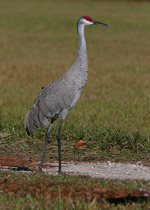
[(41, 191), (39, 43)]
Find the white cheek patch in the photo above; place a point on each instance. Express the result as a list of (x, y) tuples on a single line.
[(88, 22)]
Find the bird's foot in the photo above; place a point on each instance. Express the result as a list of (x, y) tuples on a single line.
[(40, 170), (59, 171)]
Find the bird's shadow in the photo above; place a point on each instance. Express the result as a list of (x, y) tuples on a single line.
[(22, 168)]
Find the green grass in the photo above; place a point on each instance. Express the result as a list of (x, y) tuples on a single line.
[(39, 43), (41, 191)]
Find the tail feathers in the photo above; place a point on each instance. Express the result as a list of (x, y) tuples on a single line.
[(29, 124), (35, 118)]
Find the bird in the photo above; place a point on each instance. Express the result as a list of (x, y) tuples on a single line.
[(57, 98)]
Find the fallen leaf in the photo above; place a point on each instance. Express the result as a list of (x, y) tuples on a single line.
[(80, 143)]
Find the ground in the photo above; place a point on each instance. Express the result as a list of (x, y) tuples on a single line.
[(95, 169), (42, 186)]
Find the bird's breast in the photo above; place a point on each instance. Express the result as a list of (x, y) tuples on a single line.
[(76, 98)]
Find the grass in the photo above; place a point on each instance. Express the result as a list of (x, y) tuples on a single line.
[(39, 43), (113, 110), (39, 191)]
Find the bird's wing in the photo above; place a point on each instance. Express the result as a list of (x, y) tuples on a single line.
[(56, 97)]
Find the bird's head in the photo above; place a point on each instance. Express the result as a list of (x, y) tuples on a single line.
[(86, 20)]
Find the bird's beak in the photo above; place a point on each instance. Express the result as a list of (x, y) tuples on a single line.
[(99, 23)]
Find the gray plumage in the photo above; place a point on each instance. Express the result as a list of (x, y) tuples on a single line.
[(57, 98)]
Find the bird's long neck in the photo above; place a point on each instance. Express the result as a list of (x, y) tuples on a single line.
[(82, 52), (79, 70)]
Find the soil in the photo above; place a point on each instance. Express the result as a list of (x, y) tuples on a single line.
[(44, 188), (108, 170), (66, 189)]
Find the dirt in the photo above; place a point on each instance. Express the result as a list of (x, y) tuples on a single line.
[(53, 190), (108, 170)]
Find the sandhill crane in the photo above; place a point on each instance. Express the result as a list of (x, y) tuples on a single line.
[(60, 96)]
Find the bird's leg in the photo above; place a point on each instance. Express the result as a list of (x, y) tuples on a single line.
[(59, 144), (47, 137)]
